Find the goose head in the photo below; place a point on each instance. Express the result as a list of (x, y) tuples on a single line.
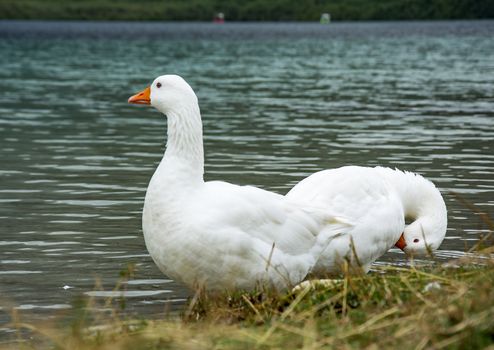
[(167, 93), (421, 237)]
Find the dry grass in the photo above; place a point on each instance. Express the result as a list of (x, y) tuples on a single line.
[(443, 307), (436, 307)]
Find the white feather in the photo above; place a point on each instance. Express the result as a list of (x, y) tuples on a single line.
[(225, 236)]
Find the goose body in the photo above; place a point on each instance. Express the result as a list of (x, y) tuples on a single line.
[(376, 202), (223, 236)]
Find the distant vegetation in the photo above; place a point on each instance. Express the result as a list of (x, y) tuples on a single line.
[(237, 10)]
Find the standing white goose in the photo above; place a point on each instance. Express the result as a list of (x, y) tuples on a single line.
[(224, 236)]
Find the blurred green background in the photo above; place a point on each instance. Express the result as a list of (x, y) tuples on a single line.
[(237, 10)]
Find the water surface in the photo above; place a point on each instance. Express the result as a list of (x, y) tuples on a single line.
[(279, 101)]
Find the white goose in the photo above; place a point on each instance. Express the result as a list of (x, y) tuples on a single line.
[(224, 236)]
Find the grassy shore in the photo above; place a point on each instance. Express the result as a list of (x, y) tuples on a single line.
[(434, 306), (236, 10), (448, 306)]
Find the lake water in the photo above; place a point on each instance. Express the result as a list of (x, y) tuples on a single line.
[(279, 101)]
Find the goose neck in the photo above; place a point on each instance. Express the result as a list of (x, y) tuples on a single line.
[(184, 149), (420, 198)]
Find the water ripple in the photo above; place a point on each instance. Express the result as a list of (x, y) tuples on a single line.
[(288, 100)]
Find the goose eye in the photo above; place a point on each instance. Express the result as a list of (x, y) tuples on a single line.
[(416, 240), (158, 85)]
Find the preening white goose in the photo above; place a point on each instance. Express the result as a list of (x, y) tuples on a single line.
[(223, 236)]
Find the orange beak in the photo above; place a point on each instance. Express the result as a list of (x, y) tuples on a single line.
[(401, 242), (142, 98)]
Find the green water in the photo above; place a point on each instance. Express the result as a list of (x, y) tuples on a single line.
[(279, 101)]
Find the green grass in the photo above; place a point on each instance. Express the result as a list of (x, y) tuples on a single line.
[(450, 306), (440, 306), (254, 10)]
